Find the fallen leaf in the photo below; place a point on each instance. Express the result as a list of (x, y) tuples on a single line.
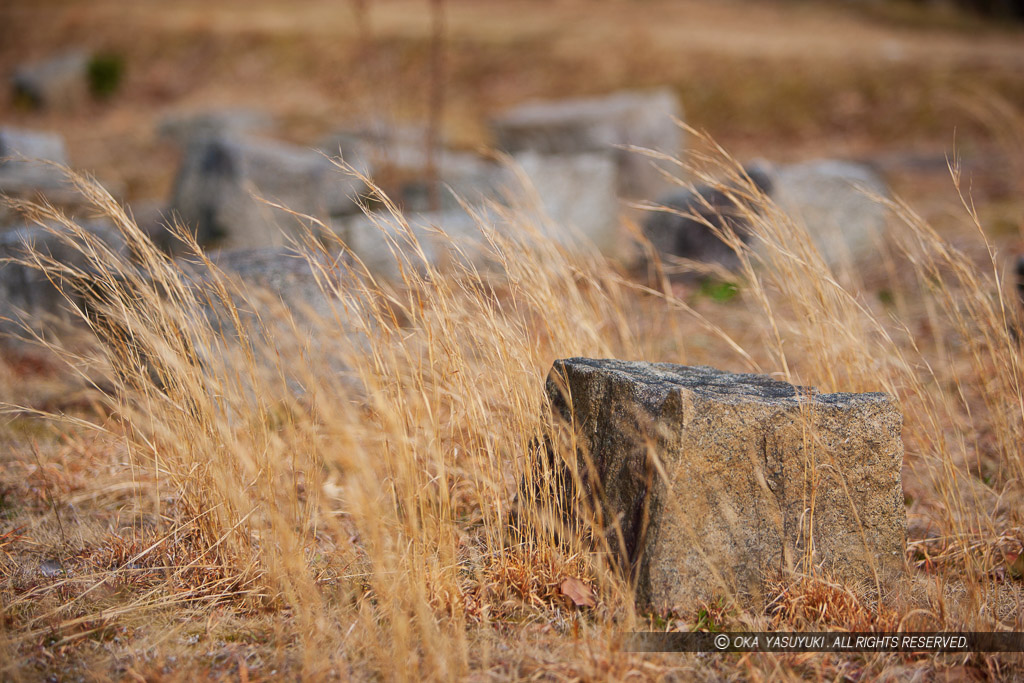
[(580, 593), (1015, 565)]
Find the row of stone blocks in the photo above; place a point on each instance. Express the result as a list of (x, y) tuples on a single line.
[(707, 483), (576, 157)]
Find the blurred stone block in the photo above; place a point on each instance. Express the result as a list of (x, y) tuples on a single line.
[(57, 82), (685, 223), (182, 128), (281, 272), (461, 177), (27, 293), (601, 124), (216, 189), (289, 303), (386, 248), (400, 146), (154, 219), (401, 167), (569, 197), (21, 155), (833, 200)]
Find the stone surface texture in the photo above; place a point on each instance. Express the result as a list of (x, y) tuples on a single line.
[(601, 124), (752, 476)]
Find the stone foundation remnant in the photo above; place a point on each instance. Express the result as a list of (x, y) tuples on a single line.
[(708, 483)]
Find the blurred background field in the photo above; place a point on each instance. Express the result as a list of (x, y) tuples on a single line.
[(781, 80)]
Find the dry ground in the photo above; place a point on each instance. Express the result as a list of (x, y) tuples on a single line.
[(216, 526)]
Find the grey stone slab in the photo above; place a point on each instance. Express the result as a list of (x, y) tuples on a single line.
[(685, 223), (29, 295)]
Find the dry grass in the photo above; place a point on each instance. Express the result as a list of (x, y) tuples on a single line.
[(241, 498)]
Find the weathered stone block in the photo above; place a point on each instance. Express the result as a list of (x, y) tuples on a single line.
[(601, 124), (401, 165), (389, 146), (460, 177), (285, 274), (383, 245), (568, 198), (717, 481), (297, 303)]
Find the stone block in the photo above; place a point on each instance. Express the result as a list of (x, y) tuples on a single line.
[(29, 295), (398, 158), (601, 124), (217, 188), (708, 483), (570, 197), (681, 227), (291, 303), (832, 199), (383, 245), (183, 128), (57, 82), (567, 198), (22, 153)]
